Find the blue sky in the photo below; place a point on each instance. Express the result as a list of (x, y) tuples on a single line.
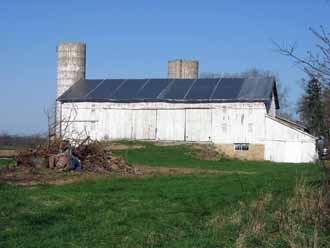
[(134, 39)]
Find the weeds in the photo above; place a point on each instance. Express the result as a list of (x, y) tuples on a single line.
[(301, 221), (305, 221)]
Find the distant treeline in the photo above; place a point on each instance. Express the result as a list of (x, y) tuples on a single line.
[(9, 140)]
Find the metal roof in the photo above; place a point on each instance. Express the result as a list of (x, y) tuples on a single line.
[(172, 90)]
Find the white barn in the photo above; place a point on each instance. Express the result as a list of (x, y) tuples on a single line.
[(238, 115)]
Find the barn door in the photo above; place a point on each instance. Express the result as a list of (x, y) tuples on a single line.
[(118, 123), (144, 124), (170, 124), (198, 124)]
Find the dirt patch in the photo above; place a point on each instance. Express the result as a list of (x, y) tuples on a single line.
[(122, 147), (169, 143), (150, 170), (28, 176), (7, 153), (206, 152), (31, 176), (202, 151)]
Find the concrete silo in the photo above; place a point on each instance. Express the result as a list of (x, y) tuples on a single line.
[(71, 67), (185, 69)]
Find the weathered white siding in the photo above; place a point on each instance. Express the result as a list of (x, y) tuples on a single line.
[(221, 123), (198, 124), (217, 122), (243, 124), (286, 144), (79, 122), (171, 124), (144, 124), (118, 123)]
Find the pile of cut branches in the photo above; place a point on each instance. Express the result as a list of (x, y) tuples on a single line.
[(61, 155), (96, 157)]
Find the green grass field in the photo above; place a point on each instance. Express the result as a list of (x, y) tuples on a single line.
[(154, 211), (4, 162)]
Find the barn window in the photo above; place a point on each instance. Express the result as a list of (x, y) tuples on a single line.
[(224, 109), (241, 146)]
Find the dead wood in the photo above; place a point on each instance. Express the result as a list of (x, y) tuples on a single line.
[(93, 156)]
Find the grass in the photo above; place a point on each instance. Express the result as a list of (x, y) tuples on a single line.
[(156, 211), (184, 156), (7, 148), (4, 162)]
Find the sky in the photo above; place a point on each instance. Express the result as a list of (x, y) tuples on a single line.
[(135, 39)]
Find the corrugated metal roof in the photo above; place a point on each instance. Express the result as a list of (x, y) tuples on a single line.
[(172, 90)]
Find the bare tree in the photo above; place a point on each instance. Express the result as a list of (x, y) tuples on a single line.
[(315, 64), (68, 130)]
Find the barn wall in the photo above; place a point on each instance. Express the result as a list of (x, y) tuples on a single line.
[(170, 124), (220, 123), (79, 122), (278, 131), (286, 144), (238, 125), (198, 124), (204, 122), (162, 105), (144, 123)]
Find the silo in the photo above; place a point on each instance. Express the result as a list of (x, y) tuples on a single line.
[(185, 69), (71, 67)]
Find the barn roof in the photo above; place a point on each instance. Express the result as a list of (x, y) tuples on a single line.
[(172, 90)]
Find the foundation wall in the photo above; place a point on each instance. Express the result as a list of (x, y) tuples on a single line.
[(256, 152)]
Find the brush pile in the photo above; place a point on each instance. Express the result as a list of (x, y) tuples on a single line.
[(88, 155), (96, 157)]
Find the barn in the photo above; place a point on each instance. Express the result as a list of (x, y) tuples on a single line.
[(237, 115)]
